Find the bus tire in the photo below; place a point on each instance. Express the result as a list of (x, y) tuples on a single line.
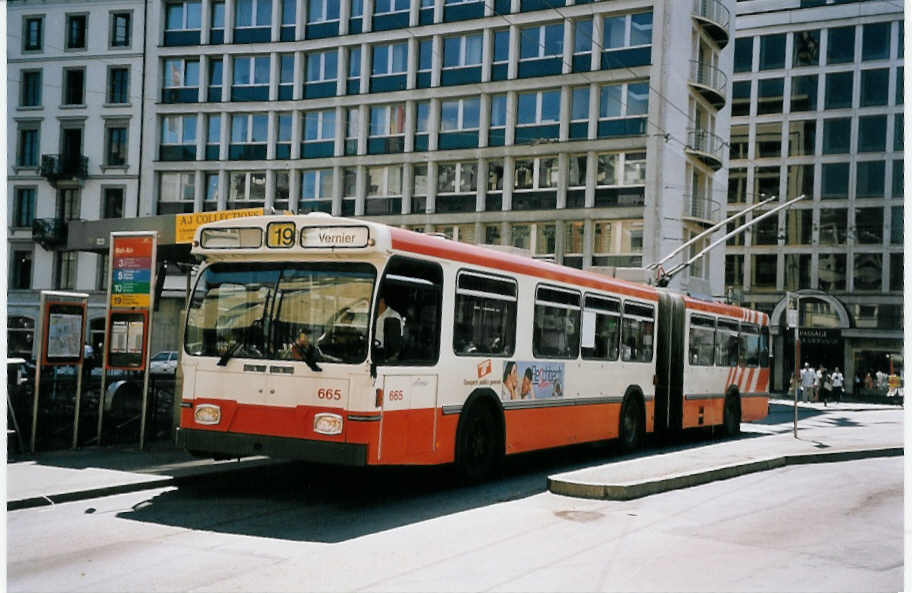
[(632, 423), (479, 444), (731, 415)]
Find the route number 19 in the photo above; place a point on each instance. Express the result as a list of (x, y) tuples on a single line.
[(280, 235)]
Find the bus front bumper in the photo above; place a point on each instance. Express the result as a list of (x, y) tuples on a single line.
[(230, 444)]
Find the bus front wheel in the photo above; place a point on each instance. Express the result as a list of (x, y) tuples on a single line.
[(731, 416), (479, 451), (630, 433)]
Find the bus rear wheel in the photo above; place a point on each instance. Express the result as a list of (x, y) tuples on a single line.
[(631, 429), (731, 416), (479, 450)]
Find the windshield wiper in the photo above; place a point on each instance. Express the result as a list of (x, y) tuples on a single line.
[(228, 354)]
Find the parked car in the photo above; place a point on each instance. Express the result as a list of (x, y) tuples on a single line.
[(163, 363)]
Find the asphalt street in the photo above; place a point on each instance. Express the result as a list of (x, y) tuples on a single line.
[(296, 527)]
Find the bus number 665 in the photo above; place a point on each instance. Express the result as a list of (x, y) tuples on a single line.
[(326, 393), (396, 395)]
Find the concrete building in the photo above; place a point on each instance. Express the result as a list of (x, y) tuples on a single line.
[(817, 109), (74, 96), (589, 133)]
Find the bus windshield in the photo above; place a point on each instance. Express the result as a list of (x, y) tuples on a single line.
[(261, 310)]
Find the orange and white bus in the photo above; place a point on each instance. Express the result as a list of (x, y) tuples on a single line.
[(350, 342)]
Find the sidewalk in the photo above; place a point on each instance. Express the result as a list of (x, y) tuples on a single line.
[(825, 434), (61, 476)]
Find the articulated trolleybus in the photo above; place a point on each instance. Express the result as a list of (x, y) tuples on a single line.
[(351, 342)]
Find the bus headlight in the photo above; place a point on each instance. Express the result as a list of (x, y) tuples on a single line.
[(207, 414), (328, 423)]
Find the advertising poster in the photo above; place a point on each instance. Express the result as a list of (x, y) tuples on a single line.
[(64, 333), (532, 380), (127, 340)]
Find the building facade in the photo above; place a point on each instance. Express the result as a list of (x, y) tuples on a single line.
[(817, 109), (588, 133), (74, 97)]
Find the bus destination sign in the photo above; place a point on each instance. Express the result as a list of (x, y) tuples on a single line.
[(345, 237)]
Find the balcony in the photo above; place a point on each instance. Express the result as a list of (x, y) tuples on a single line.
[(50, 233), (715, 18), (703, 209), (57, 168), (706, 147), (709, 81)]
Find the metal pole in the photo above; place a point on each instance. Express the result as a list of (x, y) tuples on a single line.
[(40, 333), (797, 364), (79, 368), (105, 345), (152, 293)]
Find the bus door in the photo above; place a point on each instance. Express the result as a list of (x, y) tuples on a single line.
[(405, 349), (669, 395)]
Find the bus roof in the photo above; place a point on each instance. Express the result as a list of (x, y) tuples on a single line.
[(381, 238)]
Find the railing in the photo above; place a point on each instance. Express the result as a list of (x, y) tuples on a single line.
[(710, 77), (702, 207), (714, 13), (707, 146), (49, 232), (57, 167)]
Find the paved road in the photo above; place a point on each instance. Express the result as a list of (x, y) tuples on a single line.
[(824, 527)]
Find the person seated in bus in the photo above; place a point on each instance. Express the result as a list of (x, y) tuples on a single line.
[(300, 347), (385, 312)]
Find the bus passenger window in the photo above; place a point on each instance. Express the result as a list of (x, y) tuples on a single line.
[(749, 346), (410, 293), (607, 328), (485, 318), (702, 336), (637, 328), (556, 323), (764, 346), (727, 343)]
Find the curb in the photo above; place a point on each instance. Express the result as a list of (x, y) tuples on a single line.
[(150, 484), (631, 491)]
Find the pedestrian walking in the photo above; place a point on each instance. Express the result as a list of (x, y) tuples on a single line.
[(807, 382), (838, 381), (827, 387), (818, 383)]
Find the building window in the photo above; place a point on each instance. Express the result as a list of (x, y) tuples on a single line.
[(772, 52), (246, 189), (113, 203), (317, 184), (176, 193), (896, 273), (322, 66), (24, 207), (501, 46), (627, 30), (804, 93), (797, 271), (178, 137), (741, 98), (801, 137), (253, 13), (459, 114), (215, 80), (31, 88), (211, 199), (872, 133), (28, 147), (839, 90), (20, 279), (76, 31), (896, 225), (251, 71), (623, 100), (874, 86), (69, 204), (806, 50), (322, 11), (868, 268), (837, 135), (801, 180), (766, 182), (354, 64), (869, 179), (831, 272), (283, 136), (116, 140), (833, 226), (387, 120), (390, 6), (744, 54), (457, 178), (536, 108), (897, 179), (183, 16), (541, 42), (579, 104), (582, 36), (764, 271), (841, 45), (535, 174), (734, 271), (390, 59), (798, 226), (768, 140), (66, 269), (289, 13), (869, 226), (620, 169), (249, 131), (32, 33), (120, 29), (770, 95), (74, 86), (217, 23), (384, 181), (320, 126), (875, 41), (737, 186), (119, 85), (462, 51)]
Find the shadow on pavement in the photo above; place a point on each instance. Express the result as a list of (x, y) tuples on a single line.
[(309, 502)]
